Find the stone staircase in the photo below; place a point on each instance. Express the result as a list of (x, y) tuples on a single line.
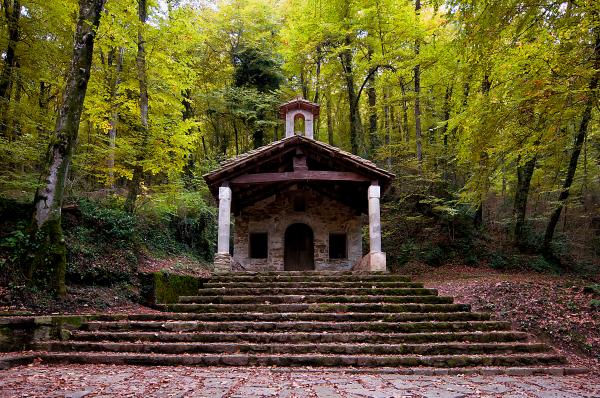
[(335, 319)]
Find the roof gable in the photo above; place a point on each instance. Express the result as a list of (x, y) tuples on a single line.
[(313, 149), (279, 164)]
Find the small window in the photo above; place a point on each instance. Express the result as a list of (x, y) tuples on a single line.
[(259, 246), (337, 246), (299, 203), (299, 123)]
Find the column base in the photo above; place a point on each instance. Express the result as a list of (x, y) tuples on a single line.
[(222, 263), (372, 262)]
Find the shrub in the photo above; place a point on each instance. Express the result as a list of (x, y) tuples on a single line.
[(540, 264), (175, 223), (113, 225), (498, 260), (592, 289), (405, 253), (433, 255)]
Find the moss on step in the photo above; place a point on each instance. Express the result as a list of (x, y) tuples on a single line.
[(165, 288)]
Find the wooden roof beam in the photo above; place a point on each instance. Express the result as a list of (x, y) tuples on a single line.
[(299, 175)]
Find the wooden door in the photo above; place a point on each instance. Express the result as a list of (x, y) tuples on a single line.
[(299, 248)]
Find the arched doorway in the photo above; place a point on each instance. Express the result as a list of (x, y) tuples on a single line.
[(299, 253)]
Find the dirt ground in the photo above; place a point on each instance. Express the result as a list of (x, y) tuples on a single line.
[(555, 309), (77, 381)]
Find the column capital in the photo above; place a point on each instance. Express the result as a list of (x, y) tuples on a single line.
[(224, 192), (374, 191)]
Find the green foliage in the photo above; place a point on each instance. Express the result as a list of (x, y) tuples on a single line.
[(433, 255), (254, 68), (48, 258), (540, 264), (405, 253), (187, 224), (111, 225), (16, 244), (501, 85), (165, 288), (105, 242), (592, 289), (499, 261)]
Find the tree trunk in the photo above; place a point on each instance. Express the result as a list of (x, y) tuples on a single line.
[(258, 133), (355, 122), (138, 170), (486, 85), (49, 262), (318, 75), (187, 114), (372, 100), (404, 126), (329, 117), (237, 145), (417, 78), (317, 122), (303, 84), (447, 98), (12, 11), (579, 139), (524, 174), (388, 115), (13, 121), (114, 113)]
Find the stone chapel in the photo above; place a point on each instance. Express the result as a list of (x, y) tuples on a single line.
[(298, 204)]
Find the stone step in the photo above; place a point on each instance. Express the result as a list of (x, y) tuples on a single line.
[(288, 299), (303, 273), (306, 284), (292, 316), (439, 361), (315, 307), (300, 337), (335, 291), (302, 277), (276, 348), (306, 316), (299, 326)]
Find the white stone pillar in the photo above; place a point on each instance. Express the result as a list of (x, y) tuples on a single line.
[(222, 257), (376, 258), (289, 124), (308, 125), (224, 219), (374, 219)]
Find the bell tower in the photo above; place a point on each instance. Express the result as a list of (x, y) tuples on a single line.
[(299, 108)]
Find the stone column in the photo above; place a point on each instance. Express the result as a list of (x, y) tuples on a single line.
[(222, 257), (377, 260), (289, 124), (308, 125), (374, 219)]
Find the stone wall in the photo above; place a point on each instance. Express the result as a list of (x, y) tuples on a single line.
[(276, 213)]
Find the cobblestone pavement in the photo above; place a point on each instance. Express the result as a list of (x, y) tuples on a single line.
[(132, 381)]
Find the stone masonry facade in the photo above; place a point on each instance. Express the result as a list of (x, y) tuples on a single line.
[(276, 213)]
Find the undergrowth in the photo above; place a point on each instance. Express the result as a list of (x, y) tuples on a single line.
[(105, 243)]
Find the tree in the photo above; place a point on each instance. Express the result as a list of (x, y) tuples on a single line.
[(258, 70), (49, 262), (586, 117), (12, 11), (138, 170)]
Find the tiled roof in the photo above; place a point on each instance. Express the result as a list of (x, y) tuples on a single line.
[(285, 142), (298, 103)]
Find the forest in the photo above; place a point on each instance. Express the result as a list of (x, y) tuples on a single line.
[(112, 110)]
